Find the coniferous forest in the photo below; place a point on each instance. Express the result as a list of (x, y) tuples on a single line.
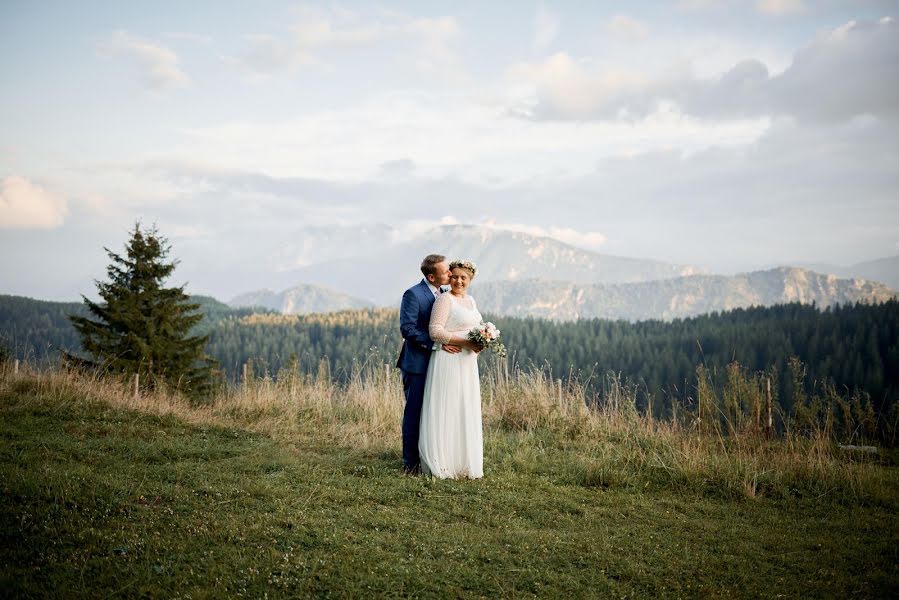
[(853, 348)]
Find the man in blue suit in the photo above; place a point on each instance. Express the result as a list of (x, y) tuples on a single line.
[(415, 314)]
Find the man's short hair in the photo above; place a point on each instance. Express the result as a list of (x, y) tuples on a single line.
[(429, 264)]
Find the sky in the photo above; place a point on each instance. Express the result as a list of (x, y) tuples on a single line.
[(728, 134)]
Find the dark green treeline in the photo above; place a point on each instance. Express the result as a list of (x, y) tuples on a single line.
[(856, 347)]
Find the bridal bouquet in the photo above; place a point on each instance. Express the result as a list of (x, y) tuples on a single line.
[(487, 335)]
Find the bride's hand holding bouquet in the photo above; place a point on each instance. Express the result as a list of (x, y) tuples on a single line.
[(487, 336)]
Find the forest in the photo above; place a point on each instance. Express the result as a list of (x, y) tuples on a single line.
[(852, 348)]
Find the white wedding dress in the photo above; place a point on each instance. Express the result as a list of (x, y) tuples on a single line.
[(451, 440)]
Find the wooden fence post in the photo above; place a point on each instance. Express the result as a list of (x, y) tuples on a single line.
[(768, 401), (559, 387), (136, 386), (244, 378), (16, 367)]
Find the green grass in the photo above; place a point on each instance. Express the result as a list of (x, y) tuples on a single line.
[(100, 501)]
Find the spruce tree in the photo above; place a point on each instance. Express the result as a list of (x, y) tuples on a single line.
[(142, 327)]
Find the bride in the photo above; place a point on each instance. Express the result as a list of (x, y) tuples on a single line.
[(451, 441)]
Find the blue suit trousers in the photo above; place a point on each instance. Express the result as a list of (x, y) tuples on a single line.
[(414, 390)]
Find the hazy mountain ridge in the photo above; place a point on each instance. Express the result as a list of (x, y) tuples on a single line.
[(885, 270), (673, 298), (300, 299), (501, 255)]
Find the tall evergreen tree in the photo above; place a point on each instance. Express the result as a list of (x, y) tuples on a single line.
[(141, 326)]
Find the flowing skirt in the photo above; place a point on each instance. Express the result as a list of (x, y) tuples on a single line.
[(451, 439)]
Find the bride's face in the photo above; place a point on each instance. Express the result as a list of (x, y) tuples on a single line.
[(459, 280)]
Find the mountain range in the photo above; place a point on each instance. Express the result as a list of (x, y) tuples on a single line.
[(522, 274), (884, 270), (674, 298), (385, 271)]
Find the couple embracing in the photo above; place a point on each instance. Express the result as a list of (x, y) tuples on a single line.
[(442, 433)]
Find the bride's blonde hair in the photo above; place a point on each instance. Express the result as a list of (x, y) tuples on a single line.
[(464, 264)]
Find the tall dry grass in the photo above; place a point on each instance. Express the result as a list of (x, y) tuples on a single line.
[(533, 424)]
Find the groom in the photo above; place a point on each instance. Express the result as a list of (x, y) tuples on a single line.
[(415, 314)]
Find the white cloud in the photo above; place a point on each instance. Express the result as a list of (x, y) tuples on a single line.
[(568, 88), (316, 31), (197, 38), (414, 228), (179, 231), (843, 73), (546, 27), (25, 205), (590, 240), (780, 7), (445, 137), (435, 37), (703, 4), (159, 65), (627, 27)]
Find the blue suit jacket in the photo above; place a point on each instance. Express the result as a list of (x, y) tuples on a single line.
[(415, 314)]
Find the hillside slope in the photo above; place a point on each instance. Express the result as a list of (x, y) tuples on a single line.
[(297, 492)]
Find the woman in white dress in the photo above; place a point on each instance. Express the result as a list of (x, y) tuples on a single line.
[(451, 441)]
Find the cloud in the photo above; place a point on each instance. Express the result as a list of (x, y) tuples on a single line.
[(546, 27), (24, 205), (435, 37), (567, 88), (444, 137), (159, 65), (590, 240), (843, 73), (780, 7), (627, 27), (777, 198), (703, 4), (316, 31), (197, 38), (178, 231), (398, 169), (403, 230)]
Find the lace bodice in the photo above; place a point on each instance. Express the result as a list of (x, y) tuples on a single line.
[(451, 317)]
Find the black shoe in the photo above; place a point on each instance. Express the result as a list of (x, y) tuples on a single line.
[(411, 469)]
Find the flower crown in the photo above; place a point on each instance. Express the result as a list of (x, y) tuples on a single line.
[(464, 264)]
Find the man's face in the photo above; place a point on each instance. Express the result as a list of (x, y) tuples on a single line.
[(441, 276)]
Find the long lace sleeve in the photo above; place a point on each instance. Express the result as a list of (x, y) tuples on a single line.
[(439, 315)]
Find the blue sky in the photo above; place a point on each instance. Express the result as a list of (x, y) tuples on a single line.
[(727, 134)]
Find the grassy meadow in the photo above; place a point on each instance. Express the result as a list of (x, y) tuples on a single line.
[(291, 487)]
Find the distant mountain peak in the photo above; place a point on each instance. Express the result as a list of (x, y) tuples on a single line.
[(501, 255)]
